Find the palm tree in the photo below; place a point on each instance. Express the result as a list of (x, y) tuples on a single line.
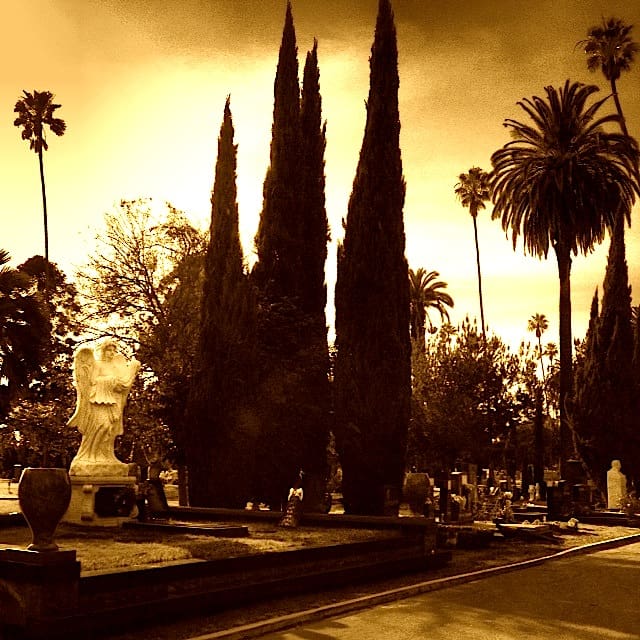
[(559, 183), (538, 323), (610, 48), (35, 110), (24, 325), (551, 352), (426, 292), (473, 191)]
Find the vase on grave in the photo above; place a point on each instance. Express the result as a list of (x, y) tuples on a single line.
[(416, 492), (44, 494)]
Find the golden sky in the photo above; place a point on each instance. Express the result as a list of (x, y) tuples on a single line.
[(143, 85)]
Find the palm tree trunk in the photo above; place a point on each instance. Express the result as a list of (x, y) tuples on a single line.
[(616, 99), (566, 374), (46, 227), (623, 127), (538, 434), (475, 234)]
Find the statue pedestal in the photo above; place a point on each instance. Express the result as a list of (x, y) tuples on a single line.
[(102, 501)]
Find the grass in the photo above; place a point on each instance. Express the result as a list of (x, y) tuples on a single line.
[(102, 549)]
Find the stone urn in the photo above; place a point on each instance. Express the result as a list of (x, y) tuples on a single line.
[(44, 495), (416, 491)]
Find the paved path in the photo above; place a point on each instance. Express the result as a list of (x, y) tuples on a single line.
[(583, 597)]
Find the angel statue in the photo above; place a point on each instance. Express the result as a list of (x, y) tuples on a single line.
[(102, 383)]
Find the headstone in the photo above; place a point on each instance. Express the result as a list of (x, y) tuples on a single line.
[(616, 485)]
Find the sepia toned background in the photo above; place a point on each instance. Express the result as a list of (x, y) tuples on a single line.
[(143, 84)]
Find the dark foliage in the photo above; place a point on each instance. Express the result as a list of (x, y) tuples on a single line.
[(25, 330), (606, 405), (373, 368), (221, 440), (293, 391)]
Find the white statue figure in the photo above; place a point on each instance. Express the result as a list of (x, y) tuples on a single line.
[(616, 485), (102, 383)]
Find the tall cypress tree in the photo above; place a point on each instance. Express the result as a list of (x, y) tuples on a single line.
[(223, 431), (289, 275), (606, 402), (315, 229), (373, 368), (278, 270), (314, 355)]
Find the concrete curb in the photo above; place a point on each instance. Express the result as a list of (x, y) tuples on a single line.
[(280, 623)]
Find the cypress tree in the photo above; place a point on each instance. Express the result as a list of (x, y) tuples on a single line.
[(223, 430), (606, 403), (278, 270), (373, 369), (315, 230), (289, 275)]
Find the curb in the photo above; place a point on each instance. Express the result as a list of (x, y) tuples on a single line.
[(280, 623)]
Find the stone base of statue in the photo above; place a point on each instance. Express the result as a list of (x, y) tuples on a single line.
[(101, 500)]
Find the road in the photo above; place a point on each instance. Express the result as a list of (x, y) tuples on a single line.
[(583, 597)]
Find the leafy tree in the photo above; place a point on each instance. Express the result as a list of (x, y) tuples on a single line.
[(560, 182), (133, 270), (373, 366), (222, 438), (35, 113), (291, 242), (469, 396), (426, 292), (24, 331), (142, 286), (43, 406), (473, 190)]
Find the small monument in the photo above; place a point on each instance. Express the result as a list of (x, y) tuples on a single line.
[(616, 486), (293, 511), (100, 485)]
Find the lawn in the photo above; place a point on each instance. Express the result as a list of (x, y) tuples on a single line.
[(100, 549)]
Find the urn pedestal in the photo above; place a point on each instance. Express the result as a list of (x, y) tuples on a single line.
[(44, 495)]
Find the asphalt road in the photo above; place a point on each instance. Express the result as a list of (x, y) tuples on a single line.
[(584, 597)]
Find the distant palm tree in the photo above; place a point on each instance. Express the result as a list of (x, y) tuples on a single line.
[(23, 325), (538, 324), (560, 183), (425, 292), (35, 111), (473, 191), (551, 352)]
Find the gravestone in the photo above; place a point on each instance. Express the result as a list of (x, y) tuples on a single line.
[(616, 485)]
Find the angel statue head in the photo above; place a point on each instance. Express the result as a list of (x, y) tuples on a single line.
[(103, 378), (107, 349)]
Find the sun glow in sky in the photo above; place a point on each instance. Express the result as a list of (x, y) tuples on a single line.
[(143, 83)]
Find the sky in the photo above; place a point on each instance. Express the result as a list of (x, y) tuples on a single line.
[(143, 84)]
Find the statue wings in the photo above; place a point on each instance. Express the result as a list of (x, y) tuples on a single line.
[(83, 366)]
